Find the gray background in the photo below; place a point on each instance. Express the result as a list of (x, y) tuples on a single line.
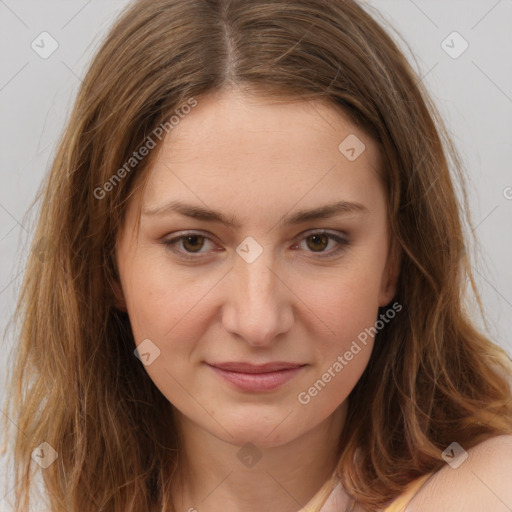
[(473, 93)]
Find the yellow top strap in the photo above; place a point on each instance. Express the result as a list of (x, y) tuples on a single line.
[(403, 500), (328, 498), (316, 504)]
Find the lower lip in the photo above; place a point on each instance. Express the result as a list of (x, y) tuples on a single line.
[(258, 381)]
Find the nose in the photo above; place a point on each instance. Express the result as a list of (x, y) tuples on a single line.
[(259, 303)]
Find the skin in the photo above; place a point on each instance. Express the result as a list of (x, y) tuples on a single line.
[(257, 159), (481, 482)]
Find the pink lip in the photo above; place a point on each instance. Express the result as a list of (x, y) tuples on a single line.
[(249, 377)]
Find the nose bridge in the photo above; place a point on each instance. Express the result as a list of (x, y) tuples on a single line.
[(259, 309), (257, 281), (254, 266)]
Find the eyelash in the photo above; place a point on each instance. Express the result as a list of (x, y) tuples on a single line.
[(170, 243)]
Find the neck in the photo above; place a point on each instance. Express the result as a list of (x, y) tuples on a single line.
[(214, 477)]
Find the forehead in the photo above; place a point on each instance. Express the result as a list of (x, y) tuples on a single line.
[(234, 148), (242, 125)]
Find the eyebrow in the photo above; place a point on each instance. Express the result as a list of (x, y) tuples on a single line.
[(197, 212)]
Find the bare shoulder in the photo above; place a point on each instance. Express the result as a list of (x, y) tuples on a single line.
[(472, 481)]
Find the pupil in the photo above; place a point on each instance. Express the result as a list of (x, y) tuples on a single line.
[(317, 237), (193, 238)]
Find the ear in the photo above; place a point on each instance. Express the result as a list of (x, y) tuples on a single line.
[(390, 275)]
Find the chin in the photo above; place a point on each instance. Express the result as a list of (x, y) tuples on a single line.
[(259, 438), (262, 429)]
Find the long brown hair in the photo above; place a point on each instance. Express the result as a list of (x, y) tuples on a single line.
[(432, 378)]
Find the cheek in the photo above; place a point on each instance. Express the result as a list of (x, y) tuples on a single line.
[(162, 307), (341, 318), (159, 299), (342, 328), (342, 309), (344, 298)]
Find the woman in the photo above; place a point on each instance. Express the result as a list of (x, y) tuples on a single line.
[(186, 340)]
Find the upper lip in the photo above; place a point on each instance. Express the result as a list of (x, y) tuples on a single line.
[(241, 367)]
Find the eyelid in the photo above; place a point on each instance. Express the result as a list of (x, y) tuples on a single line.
[(170, 242), (339, 237)]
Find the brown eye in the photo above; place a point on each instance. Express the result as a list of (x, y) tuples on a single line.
[(189, 245), (319, 242), (193, 243)]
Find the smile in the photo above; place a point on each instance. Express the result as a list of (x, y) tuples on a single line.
[(256, 379)]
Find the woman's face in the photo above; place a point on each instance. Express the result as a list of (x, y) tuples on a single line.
[(269, 287)]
